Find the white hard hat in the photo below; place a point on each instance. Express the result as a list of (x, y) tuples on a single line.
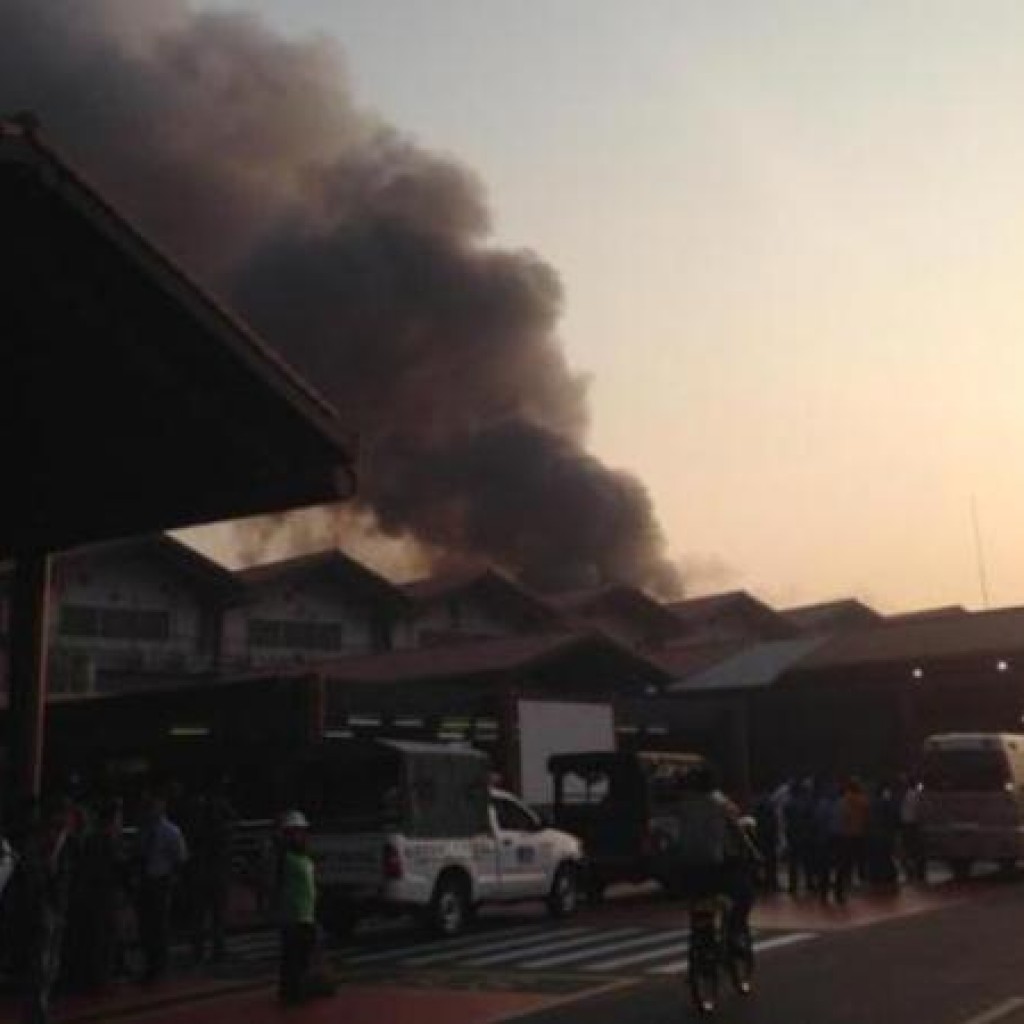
[(294, 819)]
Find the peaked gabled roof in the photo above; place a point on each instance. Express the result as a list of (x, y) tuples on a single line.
[(619, 597), (484, 583), (992, 634), (943, 612), (161, 546), (704, 614), (332, 565), (831, 616)]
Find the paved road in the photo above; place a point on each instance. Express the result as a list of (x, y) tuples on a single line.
[(962, 964), (941, 955), (620, 950)]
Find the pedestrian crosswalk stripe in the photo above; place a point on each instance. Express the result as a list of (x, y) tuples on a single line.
[(679, 966), (490, 947), (550, 947), (582, 948), (661, 952), (645, 940), (445, 944)]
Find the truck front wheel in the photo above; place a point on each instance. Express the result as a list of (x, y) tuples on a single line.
[(564, 896), (449, 908)]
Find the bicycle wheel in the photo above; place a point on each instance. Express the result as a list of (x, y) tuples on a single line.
[(703, 970), (740, 962)]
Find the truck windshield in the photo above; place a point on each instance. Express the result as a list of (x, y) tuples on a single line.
[(965, 770)]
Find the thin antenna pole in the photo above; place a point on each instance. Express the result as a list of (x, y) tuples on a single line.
[(979, 553)]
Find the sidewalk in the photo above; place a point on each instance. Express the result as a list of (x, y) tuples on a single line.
[(256, 1002), (866, 906)]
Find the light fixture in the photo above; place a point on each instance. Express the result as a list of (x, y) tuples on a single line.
[(1002, 665), (918, 672)]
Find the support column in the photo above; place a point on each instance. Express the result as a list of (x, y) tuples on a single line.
[(27, 665)]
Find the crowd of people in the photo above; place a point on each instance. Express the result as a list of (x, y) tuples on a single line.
[(85, 902), (826, 834)]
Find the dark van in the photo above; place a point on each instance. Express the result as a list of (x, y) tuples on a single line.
[(613, 802)]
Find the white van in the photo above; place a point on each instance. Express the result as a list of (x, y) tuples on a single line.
[(972, 799)]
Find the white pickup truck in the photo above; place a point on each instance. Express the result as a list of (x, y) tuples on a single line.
[(433, 839)]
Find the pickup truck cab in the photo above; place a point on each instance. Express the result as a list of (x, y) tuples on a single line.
[(433, 839)]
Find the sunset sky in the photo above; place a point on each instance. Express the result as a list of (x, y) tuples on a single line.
[(792, 240)]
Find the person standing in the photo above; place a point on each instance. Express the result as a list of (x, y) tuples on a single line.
[(42, 887), (163, 853), (883, 830), (915, 863), (799, 832), (98, 889), (767, 838), (296, 906), (852, 814), (210, 842)]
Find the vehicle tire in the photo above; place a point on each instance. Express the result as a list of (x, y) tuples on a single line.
[(1007, 865), (449, 910), (961, 868), (563, 900)]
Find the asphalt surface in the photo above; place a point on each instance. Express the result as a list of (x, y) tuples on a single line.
[(963, 964), (943, 954)]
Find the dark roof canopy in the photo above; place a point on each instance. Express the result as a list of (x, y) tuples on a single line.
[(130, 401)]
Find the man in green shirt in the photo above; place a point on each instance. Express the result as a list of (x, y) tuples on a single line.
[(297, 905)]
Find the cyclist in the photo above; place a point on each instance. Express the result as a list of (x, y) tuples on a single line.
[(711, 857)]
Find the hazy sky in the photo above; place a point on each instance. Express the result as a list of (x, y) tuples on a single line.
[(792, 239)]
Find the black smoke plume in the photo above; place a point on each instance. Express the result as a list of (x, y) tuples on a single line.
[(363, 257)]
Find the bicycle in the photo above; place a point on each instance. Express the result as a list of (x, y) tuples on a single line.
[(717, 942)]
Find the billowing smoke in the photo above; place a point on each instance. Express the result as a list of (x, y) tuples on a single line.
[(363, 257)]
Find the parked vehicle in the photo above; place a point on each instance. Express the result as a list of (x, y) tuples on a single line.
[(401, 827), (619, 804), (972, 799)]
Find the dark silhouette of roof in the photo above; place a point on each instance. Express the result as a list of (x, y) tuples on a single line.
[(942, 612), (629, 600), (333, 566), (489, 586), (204, 572), (736, 613), (832, 616), (992, 634), (137, 401)]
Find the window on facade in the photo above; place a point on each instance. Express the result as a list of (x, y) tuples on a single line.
[(88, 621), (295, 635), (380, 634)]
